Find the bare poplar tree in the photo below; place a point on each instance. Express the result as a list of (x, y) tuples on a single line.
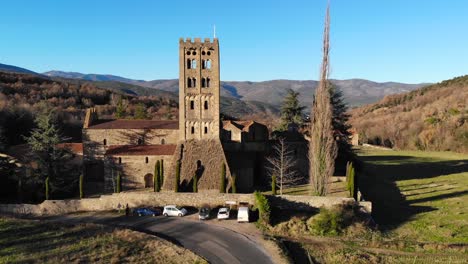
[(282, 164), (322, 146)]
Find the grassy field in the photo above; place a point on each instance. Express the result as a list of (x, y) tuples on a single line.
[(420, 205), (29, 241), (421, 196)]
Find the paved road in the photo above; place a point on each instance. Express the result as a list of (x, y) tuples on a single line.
[(214, 243)]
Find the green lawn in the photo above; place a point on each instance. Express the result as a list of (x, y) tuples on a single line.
[(421, 196), (29, 241)]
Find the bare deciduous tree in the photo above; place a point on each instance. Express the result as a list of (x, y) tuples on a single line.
[(282, 164), (322, 149)]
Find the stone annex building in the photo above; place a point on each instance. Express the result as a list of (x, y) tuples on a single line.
[(198, 140)]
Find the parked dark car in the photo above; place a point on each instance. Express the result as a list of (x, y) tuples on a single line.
[(204, 213), (146, 211)]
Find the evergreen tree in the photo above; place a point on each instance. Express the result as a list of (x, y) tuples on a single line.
[(195, 183), (120, 109), (234, 183), (157, 177), (322, 145), (340, 120), (177, 177), (81, 187), (52, 161), (161, 174), (291, 111), (119, 182), (222, 186), (273, 184), (140, 112)]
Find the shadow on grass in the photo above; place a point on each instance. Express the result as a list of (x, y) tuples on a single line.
[(377, 182), (283, 210)]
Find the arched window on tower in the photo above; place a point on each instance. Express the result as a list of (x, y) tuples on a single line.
[(203, 64), (193, 130), (206, 105), (203, 82), (194, 82), (189, 82), (104, 142), (207, 64), (194, 64), (206, 130), (189, 63), (163, 141), (207, 82), (192, 104)]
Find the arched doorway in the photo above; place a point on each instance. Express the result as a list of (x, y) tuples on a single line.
[(148, 180)]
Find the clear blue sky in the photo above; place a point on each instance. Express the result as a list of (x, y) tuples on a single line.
[(382, 40)]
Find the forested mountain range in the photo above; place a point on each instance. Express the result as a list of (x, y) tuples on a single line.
[(434, 117)]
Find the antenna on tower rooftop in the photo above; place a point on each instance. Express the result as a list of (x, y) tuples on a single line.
[(214, 31)]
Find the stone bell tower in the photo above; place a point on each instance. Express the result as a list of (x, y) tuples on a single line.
[(199, 89)]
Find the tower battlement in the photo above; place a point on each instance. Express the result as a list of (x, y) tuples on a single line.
[(198, 40)]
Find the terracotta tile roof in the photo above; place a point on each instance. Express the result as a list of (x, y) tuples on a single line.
[(140, 150), (76, 148), (135, 124)]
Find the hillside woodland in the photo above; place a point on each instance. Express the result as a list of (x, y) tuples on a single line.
[(434, 117), (22, 94)]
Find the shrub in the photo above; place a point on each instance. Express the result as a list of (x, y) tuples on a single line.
[(263, 206), (273, 184), (157, 177), (177, 177), (335, 220), (222, 186), (81, 186), (119, 182), (47, 188)]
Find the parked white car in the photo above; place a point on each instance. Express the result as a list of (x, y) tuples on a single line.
[(172, 210), (243, 214), (223, 213)]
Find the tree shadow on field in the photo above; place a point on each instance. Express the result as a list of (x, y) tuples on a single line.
[(377, 182)]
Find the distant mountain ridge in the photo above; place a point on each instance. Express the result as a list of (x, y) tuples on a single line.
[(356, 91), (11, 68)]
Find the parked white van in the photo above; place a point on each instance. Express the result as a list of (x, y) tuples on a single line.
[(243, 214)]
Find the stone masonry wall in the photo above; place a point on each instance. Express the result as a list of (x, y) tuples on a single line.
[(148, 198), (210, 153)]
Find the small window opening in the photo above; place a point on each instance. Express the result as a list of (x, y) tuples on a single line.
[(120, 160), (207, 82), (193, 130), (194, 53), (203, 64), (189, 82), (140, 141), (104, 142), (146, 160), (203, 53), (188, 53), (192, 105), (163, 141), (194, 64), (206, 130), (194, 82), (208, 64), (189, 64), (206, 105), (203, 82), (208, 53)]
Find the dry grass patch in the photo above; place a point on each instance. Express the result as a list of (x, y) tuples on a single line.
[(30, 241)]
